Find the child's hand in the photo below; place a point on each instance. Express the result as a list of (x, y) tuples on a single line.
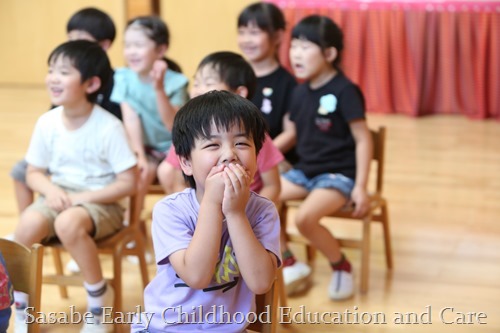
[(214, 185), (361, 201), (142, 165), (158, 73), (57, 199), (78, 198), (236, 189)]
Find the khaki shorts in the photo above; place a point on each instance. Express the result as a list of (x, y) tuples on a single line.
[(107, 218)]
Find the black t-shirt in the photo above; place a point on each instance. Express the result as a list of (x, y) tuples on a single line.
[(324, 140), (272, 97)]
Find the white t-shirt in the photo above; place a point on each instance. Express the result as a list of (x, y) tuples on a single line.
[(87, 158)]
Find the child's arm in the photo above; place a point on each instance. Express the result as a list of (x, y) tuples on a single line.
[(271, 185), (55, 197), (257, 265), (364, 151), (133, 127), (166, 110), (287, 138), (124, 185), (195, 265)]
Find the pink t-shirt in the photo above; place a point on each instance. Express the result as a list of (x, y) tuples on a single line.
[(269, 157)]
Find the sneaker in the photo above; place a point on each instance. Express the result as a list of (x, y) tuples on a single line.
[(341, 285), (96, 324), (73, 267), (20, 325), (296, 277)]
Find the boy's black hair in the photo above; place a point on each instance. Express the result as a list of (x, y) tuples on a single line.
[(323, 32), (89, 59), (95, 22), (267, 16), (233, 70), (224, 109)]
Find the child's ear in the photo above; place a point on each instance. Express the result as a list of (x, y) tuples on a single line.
[(93, 84), (186, 166), (242, 91), (330, 54), (105, 44)]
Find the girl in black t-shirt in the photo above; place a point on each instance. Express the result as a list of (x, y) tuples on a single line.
[(333, 144), (260, 30)]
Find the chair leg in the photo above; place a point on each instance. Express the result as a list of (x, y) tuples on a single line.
[(365, 255), (310, 254), (387, 236), (280, 283), (56, 254), (140, 249), (117, 283)]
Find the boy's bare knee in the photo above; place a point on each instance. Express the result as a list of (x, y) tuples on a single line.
[(70, 227), (33, 227)]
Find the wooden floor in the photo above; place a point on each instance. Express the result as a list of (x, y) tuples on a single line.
[(443, 187)]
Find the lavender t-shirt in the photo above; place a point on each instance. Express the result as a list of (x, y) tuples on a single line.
[(222, 306)]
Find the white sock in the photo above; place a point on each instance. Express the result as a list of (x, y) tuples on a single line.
[(21, 299), (95, 293)]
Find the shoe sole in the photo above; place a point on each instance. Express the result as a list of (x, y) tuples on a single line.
[(298, 285)]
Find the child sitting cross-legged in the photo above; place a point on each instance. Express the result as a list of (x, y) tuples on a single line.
[(92, 168)]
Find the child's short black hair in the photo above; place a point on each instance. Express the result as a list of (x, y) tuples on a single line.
[(95, 22), (233, 70), (88, 58), (321, 31), (267, 16), (224, 109)]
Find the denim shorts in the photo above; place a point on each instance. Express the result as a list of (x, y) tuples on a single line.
[(335, 181)]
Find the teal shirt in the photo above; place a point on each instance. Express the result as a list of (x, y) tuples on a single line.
[(141, 97)]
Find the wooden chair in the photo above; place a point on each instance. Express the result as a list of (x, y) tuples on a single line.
[(25, 270), (269, 299), (377, 213), (114, 245)]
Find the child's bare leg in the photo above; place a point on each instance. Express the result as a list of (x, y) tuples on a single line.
[(32, 228), (289, 191), (24, 195), (74, 227), (319, 203)]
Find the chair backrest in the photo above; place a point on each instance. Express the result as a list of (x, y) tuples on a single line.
[(378, 138), (267, 309), (25, 270)]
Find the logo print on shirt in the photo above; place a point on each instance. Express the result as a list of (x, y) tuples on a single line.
[(266, 107), (327, 104), (226, 273)]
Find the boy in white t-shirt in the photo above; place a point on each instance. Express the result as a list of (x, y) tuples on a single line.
[(92, 168)]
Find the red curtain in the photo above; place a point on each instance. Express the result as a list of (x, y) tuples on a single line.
[(414, 57)]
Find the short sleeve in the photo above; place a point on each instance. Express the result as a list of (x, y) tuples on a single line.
[(173, 159), (176, 88), (267, 227), (172, 228), (352, 103), (119, 154), (119, 91), (38, 153), (269, 156)]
